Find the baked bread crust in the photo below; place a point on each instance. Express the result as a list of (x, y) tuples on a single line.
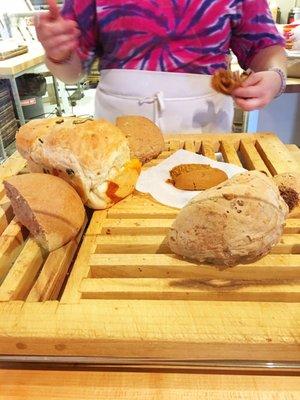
[(88, 154), (236, 222), (145, 138), (47, 206)]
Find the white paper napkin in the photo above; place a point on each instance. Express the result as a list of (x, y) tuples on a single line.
[(153, 180)]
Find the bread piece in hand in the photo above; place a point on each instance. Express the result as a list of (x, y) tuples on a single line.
[(196, 176), (47, 206), (91, 155), (145, 138), (289, 187), (236, 222), (226, 81)]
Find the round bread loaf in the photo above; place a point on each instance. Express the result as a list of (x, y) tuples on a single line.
[(91, 155), (238, 221), (145, 138), (47, 206)]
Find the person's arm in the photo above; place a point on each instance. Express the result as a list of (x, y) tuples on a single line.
[(69, 71), (69, 39), (258, 46), (266, 82), (270, 57)]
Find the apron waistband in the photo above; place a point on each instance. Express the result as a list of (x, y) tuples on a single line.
[(143, 84)]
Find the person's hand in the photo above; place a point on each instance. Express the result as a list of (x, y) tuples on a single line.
[(258, 90), (58, 36)]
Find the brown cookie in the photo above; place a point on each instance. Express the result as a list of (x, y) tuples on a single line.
[(196, 176)]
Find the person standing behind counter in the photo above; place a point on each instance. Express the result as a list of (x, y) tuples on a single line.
[(157, 57)]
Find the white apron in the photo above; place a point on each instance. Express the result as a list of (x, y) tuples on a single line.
[(176, 102)]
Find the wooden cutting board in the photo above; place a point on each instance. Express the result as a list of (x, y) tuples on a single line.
[(128, 299), (5, 55)]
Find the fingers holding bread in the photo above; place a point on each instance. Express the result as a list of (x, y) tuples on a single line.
[(226, 81)]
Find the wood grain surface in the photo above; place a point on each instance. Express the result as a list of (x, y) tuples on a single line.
[(86, 385)]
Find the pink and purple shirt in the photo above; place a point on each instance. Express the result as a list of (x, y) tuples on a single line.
[(191, 36)]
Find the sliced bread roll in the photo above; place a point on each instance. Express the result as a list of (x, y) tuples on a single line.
[(47, 206), (145, 138)]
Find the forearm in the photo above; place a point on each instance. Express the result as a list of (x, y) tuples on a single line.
[(69, 72), (270, 57)]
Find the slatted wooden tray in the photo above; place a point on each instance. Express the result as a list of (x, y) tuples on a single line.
[(128, 297)]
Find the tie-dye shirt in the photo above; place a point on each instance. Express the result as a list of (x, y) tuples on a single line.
[(192, 36)]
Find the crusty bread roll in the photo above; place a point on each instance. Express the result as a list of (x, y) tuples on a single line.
[(47, 206), (93, 156), (145, 138), (238, 221)]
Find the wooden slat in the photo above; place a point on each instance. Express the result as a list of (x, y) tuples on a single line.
[(251, 157), (21, 276), (11, 243), (292, 226), (175, 144), (6, 213), (207, 150), (96, 223), (136, 226), (229, 153), (289, 244), (55, 268), (189, 145), (179, 330), (145, 213), (121, 244), (168, 265), (80, 270), (154, 226), (51, 278), (276, 156), (295, 151), (14, 164), (214, 139), (188, 289), (138, 206)]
